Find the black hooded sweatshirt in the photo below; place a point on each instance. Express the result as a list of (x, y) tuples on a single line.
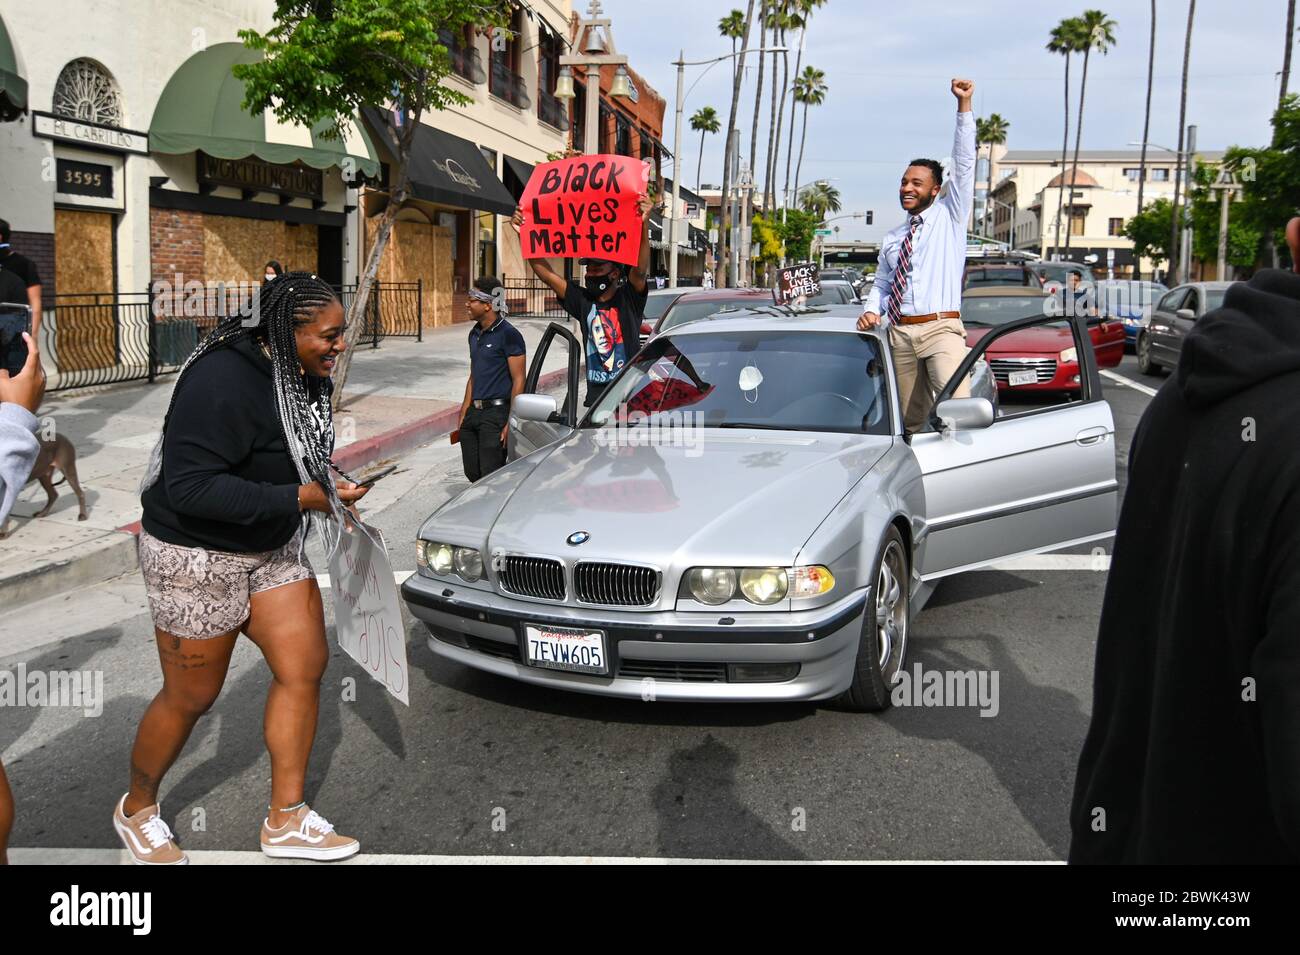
[(1193, 754), (227, 480)]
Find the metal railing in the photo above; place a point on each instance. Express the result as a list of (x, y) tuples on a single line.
[(531, 297), (553, 111), (467, 64), (100, 338), (508, 85)]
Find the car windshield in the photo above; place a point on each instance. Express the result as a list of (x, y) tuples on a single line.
[(1061, 273), (782, 380), (656, 305), (832, 293), (977, 278), (1128, 298), (686, 309), (992, 310)]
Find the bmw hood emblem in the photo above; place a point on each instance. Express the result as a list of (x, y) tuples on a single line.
[(578, 537)]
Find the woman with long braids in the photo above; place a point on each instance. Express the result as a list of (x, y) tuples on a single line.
[(241, 471)]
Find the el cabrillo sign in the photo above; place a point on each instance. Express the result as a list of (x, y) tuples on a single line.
[(94, 135), (253, 175)]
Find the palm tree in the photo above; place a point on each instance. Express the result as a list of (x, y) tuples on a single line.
[(1286, 56), (723, 232), (1146, 126), (805, 8), (778, 21), (809, 89), (1098, 34), (704, 121), (991, 132), (1064, 40), (732, 26), (758, 88), (821, 199), (1174, 263), (791, 20)]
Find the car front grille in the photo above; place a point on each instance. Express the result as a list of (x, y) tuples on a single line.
[(1043, 368), (539, 577), (687, 672), (619, 585)]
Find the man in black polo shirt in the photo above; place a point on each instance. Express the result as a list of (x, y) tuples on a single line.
[(23, 270), (496, 375)]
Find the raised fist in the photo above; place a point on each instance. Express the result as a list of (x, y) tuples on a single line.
[(962, 89)]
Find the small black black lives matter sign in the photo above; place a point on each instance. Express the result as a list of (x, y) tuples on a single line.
[(796, 282)]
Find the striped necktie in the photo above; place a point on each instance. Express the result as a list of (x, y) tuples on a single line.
[(902, 273)]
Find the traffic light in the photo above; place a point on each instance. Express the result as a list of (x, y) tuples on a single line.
[(869, 214)]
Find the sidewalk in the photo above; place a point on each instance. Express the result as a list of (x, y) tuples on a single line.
[(399, 396)]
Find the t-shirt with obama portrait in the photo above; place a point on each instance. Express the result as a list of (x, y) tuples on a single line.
[(611, 332)]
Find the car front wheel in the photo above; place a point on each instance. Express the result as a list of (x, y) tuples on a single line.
[(882, 646), (1146, 364)]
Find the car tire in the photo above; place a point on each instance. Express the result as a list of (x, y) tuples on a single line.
[(882, 645), (1146, 364)]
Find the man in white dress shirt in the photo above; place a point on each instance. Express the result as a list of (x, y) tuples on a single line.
[(919, 277)]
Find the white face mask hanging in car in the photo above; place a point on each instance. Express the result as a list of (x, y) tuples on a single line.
[(750, 379)]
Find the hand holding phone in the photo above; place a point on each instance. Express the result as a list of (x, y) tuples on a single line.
[(369, 480)]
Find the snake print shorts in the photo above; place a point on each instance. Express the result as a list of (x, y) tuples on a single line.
[(199, 594)]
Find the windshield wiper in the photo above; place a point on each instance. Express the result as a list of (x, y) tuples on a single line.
[(753, 424)]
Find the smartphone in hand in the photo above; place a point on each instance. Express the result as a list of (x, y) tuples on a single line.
[(370, 479), (14, 320)]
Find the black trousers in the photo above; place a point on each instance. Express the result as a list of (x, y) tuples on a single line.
[(481, 449)]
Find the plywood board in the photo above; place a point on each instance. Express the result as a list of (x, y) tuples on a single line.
[(85, 331)]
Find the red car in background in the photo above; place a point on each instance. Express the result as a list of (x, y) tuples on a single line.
[(1034, 359)]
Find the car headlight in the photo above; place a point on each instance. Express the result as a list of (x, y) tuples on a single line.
[(711, 585), (811, 581), (468, 563), (764, 585), (1069, 355), (438, 557)]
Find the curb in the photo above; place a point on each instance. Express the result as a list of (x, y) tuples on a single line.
[(118, 557)]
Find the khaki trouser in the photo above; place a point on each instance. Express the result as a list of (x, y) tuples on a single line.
[(925, 357)]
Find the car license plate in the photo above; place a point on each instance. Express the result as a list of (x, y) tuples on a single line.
[(559, 648), (1022, 378)]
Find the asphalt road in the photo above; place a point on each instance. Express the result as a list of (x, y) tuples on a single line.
[(480, 765)]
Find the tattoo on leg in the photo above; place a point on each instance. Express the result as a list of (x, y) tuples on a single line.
[(176, 643), (143, 782)]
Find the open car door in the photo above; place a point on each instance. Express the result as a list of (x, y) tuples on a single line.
[(1039, 477), (525, 437)]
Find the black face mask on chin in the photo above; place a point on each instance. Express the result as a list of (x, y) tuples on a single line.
[(598, 285)]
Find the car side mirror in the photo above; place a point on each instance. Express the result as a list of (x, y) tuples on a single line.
[(964, 414), (1186, 313), (535, 407)]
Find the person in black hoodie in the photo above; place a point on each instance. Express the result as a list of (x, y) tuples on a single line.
[(1193, 754), (243, 461)]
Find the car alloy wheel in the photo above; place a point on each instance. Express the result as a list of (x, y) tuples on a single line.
[(1145, 364), (882, 642), (891, 612)]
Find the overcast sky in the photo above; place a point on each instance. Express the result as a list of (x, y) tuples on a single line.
[(888, 67)]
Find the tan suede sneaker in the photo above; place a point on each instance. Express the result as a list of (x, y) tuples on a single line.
[(307, 836), (147, 837)]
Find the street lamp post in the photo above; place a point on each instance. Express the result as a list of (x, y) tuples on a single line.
[(681, 63), (596, 46), (1183, 158)]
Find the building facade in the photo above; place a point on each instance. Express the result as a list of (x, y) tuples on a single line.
[(1028, 184)]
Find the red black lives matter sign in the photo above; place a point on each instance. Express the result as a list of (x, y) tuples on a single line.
[(798, 281), (584, 207)]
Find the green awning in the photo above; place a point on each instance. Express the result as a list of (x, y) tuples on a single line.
[(13, 88), (201, 109)]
